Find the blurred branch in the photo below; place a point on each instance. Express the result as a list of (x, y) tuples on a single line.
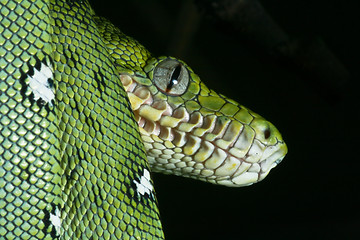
[(309, 56), (186, 26)]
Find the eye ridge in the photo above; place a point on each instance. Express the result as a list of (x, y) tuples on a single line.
[(174, 78)]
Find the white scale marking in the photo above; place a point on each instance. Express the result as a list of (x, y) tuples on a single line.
[(39, 84), (56, 221), (144, 186)]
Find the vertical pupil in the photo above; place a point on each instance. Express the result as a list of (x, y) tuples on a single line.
[(174, 77)]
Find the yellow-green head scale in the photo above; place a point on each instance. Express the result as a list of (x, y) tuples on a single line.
[(190, 130)]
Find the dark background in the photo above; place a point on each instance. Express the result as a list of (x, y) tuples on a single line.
[(309, 94)]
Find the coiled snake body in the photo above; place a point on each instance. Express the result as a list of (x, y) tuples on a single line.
[(76, 154)]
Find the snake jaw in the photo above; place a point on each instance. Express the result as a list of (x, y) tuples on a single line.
[(233, 150)]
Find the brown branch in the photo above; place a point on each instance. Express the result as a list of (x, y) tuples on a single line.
[(309, 57)]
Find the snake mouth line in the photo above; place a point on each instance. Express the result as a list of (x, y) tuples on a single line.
[(201, 147)]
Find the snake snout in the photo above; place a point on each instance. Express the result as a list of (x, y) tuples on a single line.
[(260, 147)]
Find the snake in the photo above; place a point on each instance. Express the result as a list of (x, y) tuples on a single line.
[(87, 113)]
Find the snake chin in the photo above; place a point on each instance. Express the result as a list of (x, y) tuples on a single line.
[(273, 160)]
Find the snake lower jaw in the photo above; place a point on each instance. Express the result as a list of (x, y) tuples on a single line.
[(256, 170), (273, 160), (211, 163)]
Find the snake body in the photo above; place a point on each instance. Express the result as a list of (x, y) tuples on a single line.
[(87, 111)]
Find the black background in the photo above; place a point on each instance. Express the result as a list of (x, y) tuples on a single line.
[(314, 192)]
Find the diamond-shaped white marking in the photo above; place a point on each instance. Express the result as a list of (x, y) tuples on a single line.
[(144, 186), (56, 221), (39, 84)]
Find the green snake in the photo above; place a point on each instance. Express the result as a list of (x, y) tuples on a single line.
[(86, 112)]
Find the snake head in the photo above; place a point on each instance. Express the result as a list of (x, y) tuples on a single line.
[(192, 131)]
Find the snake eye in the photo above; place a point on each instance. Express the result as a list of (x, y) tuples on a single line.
[(171, 77)]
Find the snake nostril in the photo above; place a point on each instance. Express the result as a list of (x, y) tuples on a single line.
[(267, 133)]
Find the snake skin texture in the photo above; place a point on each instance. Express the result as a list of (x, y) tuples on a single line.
[(70, 149), (85, 116)]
